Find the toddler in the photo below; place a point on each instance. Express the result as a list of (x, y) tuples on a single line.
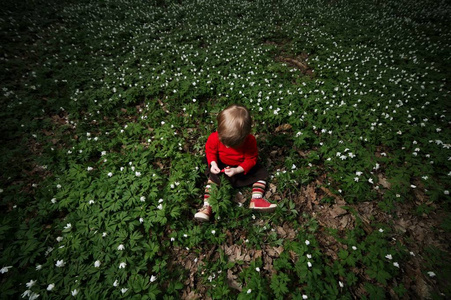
[(232, 150)]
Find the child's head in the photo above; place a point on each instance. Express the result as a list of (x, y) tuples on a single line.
[(234, 125)]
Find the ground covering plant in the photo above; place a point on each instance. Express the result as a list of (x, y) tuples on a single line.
[(106, 107)]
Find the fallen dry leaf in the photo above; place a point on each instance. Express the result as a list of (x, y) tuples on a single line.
[(383, 181), (311, 194), (336, 211), (239, 198), (283, 127), (231, 281)]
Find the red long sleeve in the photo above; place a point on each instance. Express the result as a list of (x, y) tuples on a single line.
[(245, 156)]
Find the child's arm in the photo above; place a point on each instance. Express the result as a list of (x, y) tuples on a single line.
[(233, 171), (214, 168), (211, 151), (250, 154)]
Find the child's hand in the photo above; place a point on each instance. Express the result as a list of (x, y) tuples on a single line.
[(233, 171), (214, 168)]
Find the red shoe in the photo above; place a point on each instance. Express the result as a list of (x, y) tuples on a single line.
[(260, 204), (204, 214)]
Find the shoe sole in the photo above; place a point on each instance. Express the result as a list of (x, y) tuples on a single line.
[(202, 218), (264, 209)]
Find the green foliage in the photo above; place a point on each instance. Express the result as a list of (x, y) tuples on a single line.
[(107, 105)]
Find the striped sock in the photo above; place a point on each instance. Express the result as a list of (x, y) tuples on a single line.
[(207, 192), (258, 189)]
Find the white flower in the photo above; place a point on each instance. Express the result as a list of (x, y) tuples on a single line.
[(172, 239), (213, 231), (60, 263), (110, 174), (141, 220), (309, 256), (396, 264), (116, 283), (341, 284), (30, 284), (120, 247), (304, 297), (74, 292), (142, 199), (309, 264), (91, 201), (122, 265), (97, 263), (411, 253), (381, 230), (160, 206), (249, 291), (89, 168), (446, 192), (68, 226), (104, 234), (389, 256), (33, 296), (431, 274), (58, 186), (50, 287), (358, 173), (26, 293), (257, 269), (53, 200), (160, 201), (38, 267), (370, 180), (124, 290), (5, 269), (49, 249), (153, 278), (137, 174), (307, 242), (356, 179)]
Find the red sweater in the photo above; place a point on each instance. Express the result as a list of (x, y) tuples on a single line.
[(245, 156)]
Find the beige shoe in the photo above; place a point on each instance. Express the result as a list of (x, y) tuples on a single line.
[(204, 214)]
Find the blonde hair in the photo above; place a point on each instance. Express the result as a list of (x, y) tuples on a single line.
[(234, 125)]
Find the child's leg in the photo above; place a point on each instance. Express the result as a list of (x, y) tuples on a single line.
[(258, 189), (257, 202), (207, 192), (205, 212)]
